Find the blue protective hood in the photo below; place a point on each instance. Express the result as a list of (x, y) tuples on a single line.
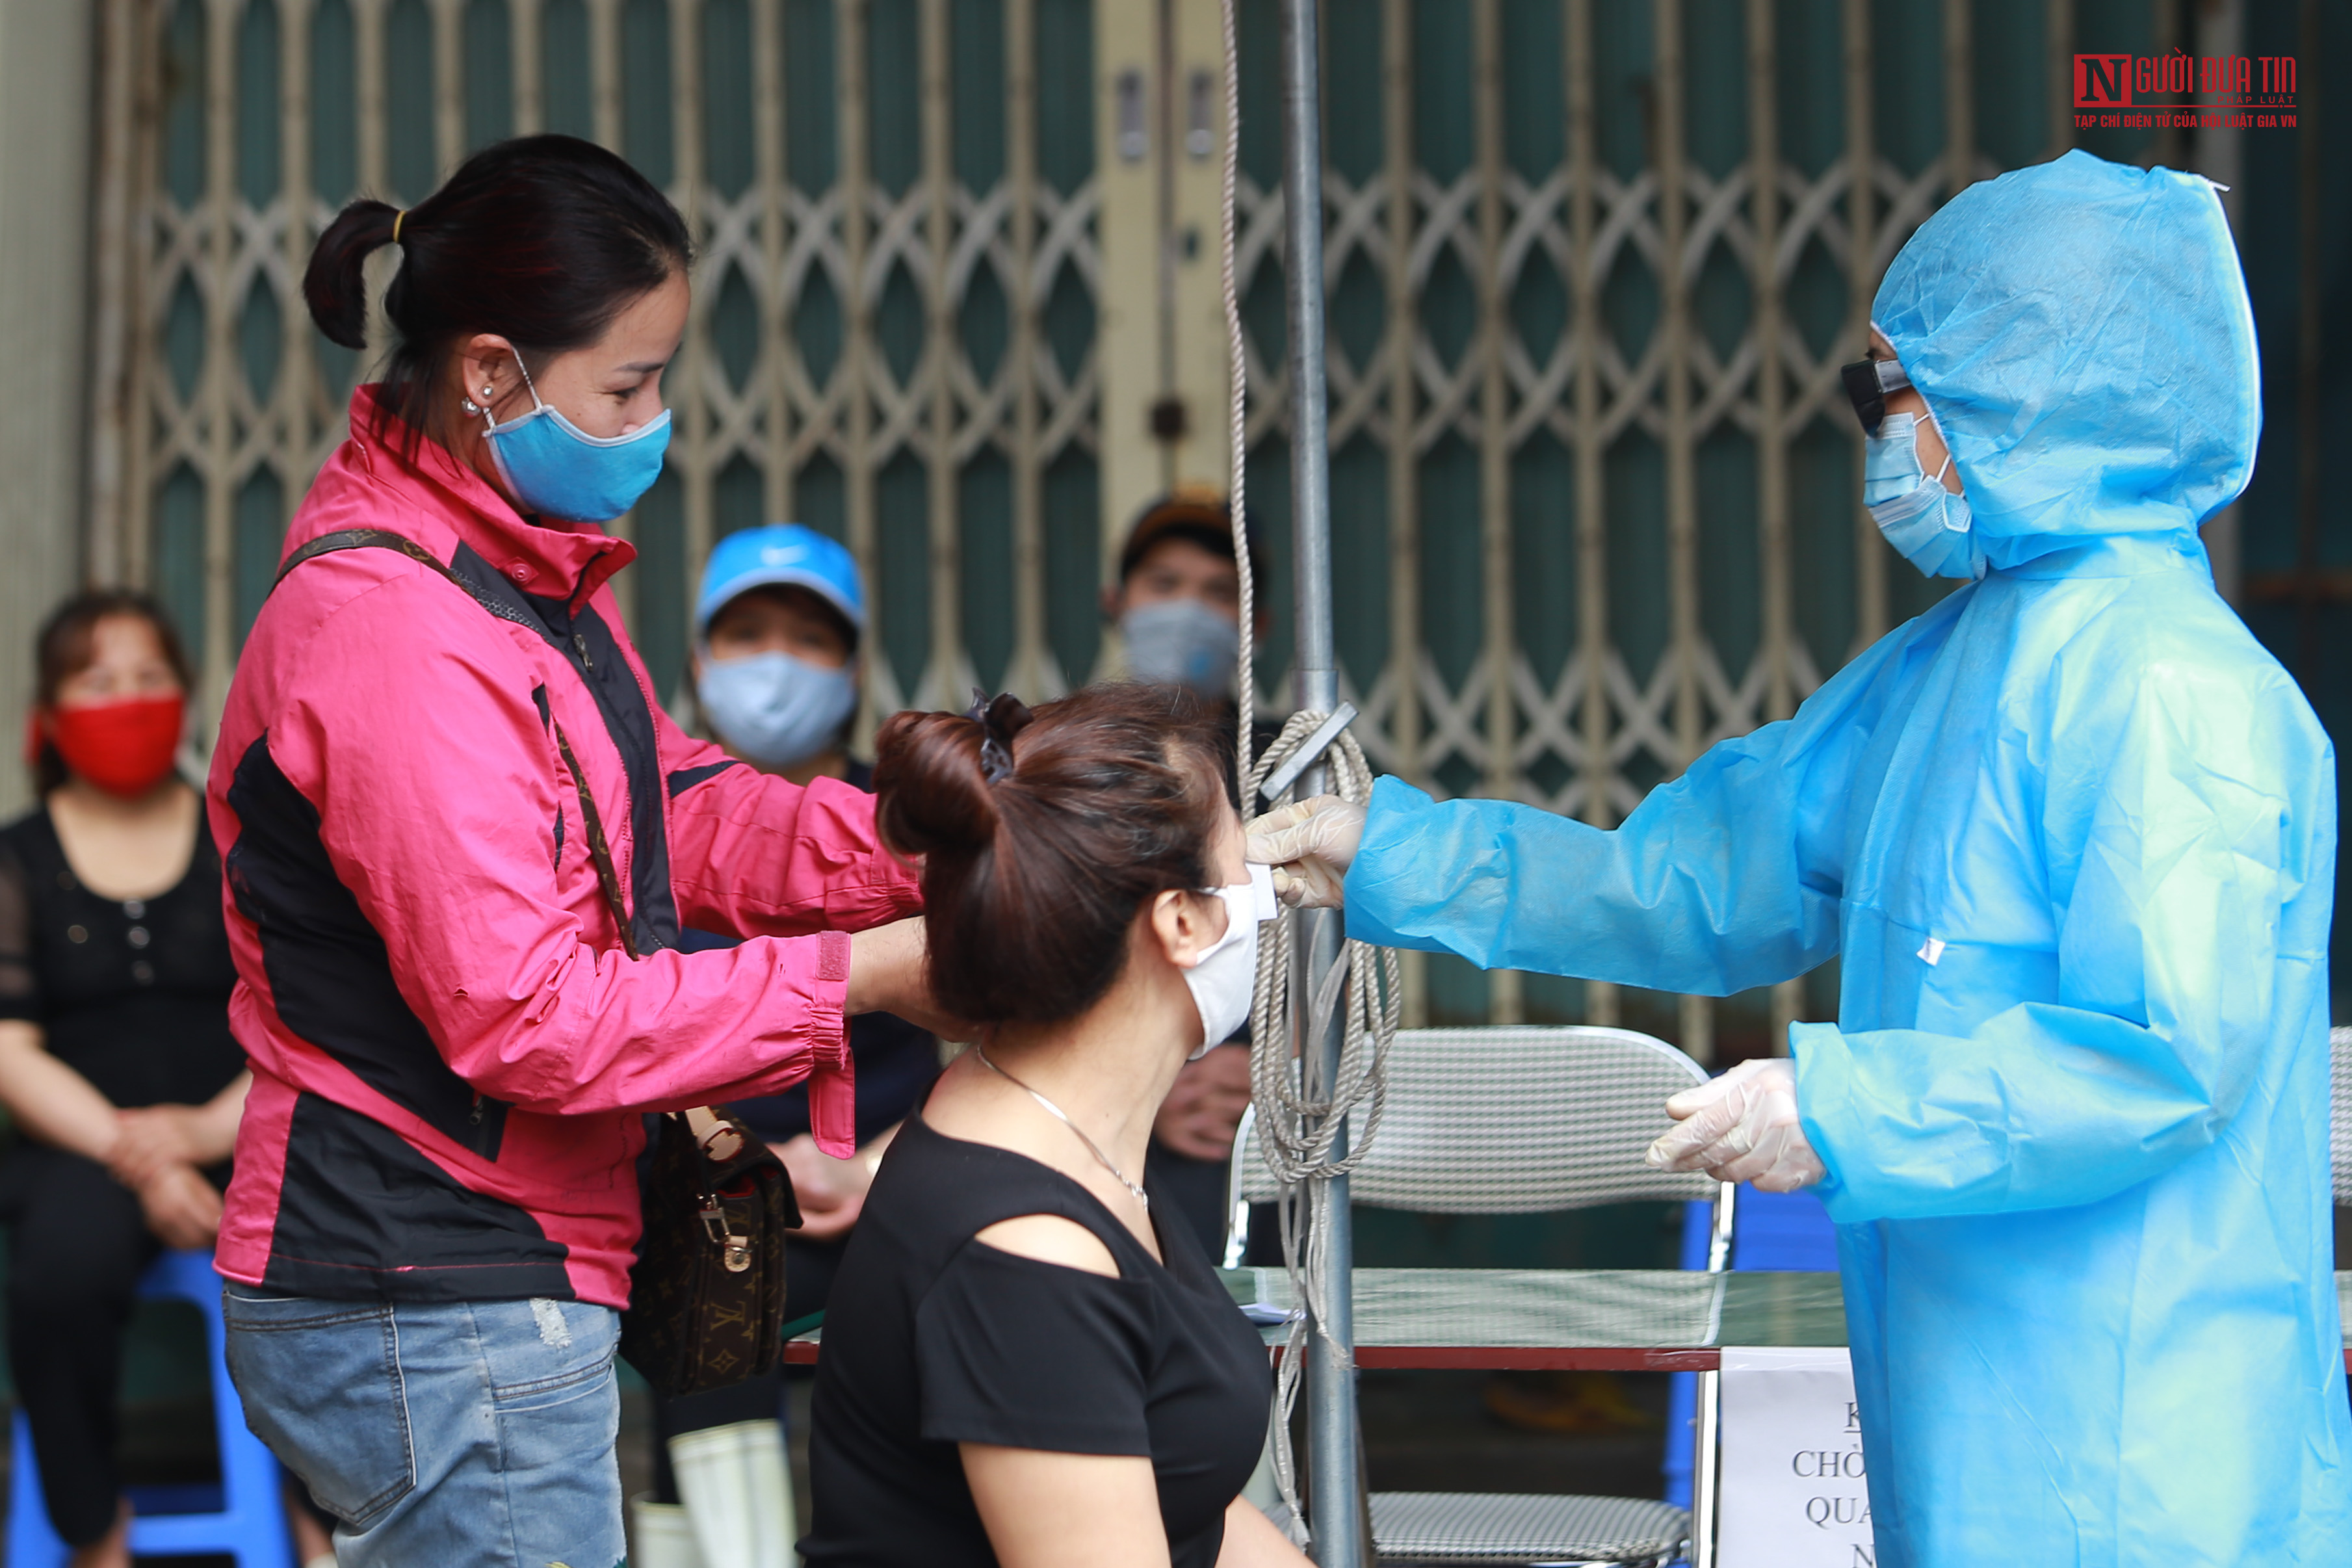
[(2081, 332)]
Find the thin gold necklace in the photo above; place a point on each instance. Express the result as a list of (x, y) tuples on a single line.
[(1064, 1117)]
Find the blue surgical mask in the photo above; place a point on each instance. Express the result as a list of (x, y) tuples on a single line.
[(555, 468), (1182, 642), (773, 710), (1932, 528)]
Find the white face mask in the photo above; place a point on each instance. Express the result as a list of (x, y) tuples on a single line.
[(775, 709), (1224, 977)]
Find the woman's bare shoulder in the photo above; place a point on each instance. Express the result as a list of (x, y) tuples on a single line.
[(1050, 1239)]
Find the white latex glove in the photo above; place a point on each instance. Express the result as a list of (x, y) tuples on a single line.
[(1309, 845), (1742, 1127)]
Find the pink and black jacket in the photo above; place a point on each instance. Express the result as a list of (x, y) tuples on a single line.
[(451, 1047)]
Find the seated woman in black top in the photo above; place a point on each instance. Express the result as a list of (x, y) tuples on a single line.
[(116, 1059), (1027, 1359)]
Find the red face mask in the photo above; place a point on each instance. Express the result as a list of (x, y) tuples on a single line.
[(123, 747)]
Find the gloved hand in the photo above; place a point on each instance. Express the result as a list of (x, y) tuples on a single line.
[(1742, 1127), (1310, 844)]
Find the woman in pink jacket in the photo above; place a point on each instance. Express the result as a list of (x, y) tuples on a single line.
[(460, 838)]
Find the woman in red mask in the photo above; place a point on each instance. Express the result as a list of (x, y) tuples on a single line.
[(116, 1058)]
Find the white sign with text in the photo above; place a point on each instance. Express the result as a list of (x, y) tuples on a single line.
[(1794, 1493)]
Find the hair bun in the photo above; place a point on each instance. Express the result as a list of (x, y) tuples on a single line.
[(935, 798), (1031, 882)]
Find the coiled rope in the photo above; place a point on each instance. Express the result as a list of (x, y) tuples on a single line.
[(1296, 1135)]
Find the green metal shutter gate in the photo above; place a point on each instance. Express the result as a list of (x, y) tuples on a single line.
[(892, 336), (1592, 265)]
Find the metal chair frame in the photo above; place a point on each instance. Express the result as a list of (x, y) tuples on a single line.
[(1431, 1158), (2339, 1122)]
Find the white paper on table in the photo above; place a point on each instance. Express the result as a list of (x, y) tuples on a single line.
[(1793, 1494)]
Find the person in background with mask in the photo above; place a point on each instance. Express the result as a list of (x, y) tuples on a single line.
[(774, 668), (116, 1060), (1178, 605), (773, 675), (1178, 608), (2072, 834)]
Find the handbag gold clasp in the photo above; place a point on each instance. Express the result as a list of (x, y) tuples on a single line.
[(734, 1251)]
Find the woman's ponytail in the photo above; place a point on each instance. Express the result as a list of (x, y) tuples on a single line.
[(335, 283)]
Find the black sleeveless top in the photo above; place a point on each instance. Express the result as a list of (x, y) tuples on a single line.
[(131, 994), (933, 1338)]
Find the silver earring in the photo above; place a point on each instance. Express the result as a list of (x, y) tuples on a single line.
[(469, 405), (486, 392)]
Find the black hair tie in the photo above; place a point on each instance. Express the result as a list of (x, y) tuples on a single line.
[(1000, 718)]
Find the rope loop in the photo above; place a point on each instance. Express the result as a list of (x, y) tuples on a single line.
[(1298, 1134)]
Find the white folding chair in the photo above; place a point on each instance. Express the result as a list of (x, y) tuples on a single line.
[(2339, 1139), (1524, 1120)]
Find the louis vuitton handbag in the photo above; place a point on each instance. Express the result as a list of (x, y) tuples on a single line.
[(707, 1296)]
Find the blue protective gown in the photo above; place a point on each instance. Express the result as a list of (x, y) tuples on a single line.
[(2073, 833)]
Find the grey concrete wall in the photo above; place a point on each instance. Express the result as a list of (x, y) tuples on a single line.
[(47, 59)]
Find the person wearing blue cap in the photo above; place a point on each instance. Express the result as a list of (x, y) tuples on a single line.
[(773, 676), (2072, 834), (774, 667)]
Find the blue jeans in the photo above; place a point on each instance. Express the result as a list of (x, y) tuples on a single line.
[(454, 1434)]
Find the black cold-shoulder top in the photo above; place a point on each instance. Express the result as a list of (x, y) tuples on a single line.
[(933, 1338)]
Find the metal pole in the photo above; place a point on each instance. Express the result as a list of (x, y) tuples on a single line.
[(1334, 1507)]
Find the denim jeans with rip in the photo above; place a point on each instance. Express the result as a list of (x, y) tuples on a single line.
[(454, 1434)]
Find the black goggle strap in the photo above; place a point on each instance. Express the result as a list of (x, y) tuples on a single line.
[(1867, 383)]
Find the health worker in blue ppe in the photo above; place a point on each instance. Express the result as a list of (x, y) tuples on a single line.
[(2073, 835)]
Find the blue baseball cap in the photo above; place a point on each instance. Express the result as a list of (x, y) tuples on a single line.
[(781, 554)]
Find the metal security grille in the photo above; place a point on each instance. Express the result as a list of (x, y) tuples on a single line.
[(1591, 266), (1592, 270)]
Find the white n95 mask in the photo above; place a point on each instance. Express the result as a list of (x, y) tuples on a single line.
[(1224, 979)]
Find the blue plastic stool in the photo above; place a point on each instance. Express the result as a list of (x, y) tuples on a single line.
[(244, 1517), (1786, 1233), (1783, 1233)]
